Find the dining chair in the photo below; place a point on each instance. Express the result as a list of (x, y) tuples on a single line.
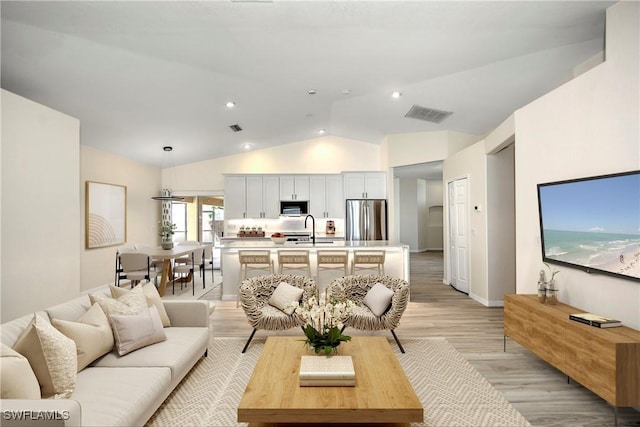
[(195, 258), (185, 259), (136, 266), (121, 250), (207, 260)]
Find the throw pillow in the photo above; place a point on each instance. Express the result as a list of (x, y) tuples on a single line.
[(52, 357), (378, 299), (284, 296), (135, 331), (91, 333), (18, 379), (153, 298), (132, 302)]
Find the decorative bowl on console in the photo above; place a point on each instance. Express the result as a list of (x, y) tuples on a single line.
[(278, 238)]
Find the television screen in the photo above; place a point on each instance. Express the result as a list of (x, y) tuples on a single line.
[(593, 224)]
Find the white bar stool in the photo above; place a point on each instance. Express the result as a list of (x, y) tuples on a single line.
[(368, 260), (256, 261), (294, 260), (332, 260)]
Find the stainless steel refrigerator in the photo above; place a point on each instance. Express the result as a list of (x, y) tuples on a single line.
[(366, 219)]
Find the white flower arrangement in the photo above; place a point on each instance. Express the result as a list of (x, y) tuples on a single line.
[(324, 322)]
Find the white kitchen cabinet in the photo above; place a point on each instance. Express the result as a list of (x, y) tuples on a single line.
[(326, 198), (251, 196), (235, 196), (263, 196), (365, 185), (294, 187)]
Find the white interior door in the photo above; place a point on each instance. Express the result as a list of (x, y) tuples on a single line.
[(459, 234)]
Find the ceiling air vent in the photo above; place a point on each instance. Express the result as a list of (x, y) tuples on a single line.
[(235, 128), (427, 114)]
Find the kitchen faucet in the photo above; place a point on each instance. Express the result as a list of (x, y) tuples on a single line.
[(313, 224)]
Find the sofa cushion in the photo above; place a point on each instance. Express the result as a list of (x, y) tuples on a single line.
[(378, 299), (52, 357), (151, 294), (183, 347), (120, 397), (91, 333), (18, 379), (130, 303), (134, 331), (285, 296)]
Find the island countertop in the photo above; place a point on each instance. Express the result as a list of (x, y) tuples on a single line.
[(396, 259), (336, 244)]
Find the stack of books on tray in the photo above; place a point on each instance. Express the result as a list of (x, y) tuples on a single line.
[(327, 371), (595, 320)]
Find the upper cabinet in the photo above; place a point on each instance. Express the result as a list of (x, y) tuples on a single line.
[(294, 187), (326, 199), (235, 200), (251, 196), (365, 185)]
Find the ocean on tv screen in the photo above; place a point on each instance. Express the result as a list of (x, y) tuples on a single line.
[(615, 253)]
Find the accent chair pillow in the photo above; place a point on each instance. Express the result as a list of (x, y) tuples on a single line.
[(284, 296), (134, 331), (91, 333), (18, 379), (132, 302), (153, 298), (52, 357), (378, 299)]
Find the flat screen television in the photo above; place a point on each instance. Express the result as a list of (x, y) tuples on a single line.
[(593, 224)]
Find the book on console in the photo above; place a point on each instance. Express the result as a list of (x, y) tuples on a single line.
[(327, 370), (595, 320)]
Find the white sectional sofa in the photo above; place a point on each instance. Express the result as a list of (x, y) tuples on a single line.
[(115, 390)]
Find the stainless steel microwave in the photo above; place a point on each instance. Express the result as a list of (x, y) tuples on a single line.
[(294, 208)]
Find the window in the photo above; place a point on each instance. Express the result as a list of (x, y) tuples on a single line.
[(179, 218)]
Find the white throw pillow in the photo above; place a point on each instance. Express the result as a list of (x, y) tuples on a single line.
[(151, 294), (51, 355), (91, 333), (132, 302), (378, 299), (18, 379), (134, 331), (284, 296)]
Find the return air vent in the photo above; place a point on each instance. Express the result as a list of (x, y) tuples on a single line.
[(427, 114), (235, 128)]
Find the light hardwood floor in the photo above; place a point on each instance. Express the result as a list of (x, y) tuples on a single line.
[(540, 392)]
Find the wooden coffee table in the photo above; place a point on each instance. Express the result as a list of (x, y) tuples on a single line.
[(382, 393)]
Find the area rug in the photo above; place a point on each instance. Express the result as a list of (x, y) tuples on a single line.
[(452, 392)]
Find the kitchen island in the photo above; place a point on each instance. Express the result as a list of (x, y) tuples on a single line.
[(396, 259)]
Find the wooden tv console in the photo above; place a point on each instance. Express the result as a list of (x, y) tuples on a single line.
[(606, 361)]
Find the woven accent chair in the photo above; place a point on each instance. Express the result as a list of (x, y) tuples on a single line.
[(254, 297), (355, 288)]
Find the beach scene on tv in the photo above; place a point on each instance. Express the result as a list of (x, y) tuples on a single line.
[(594, 223)]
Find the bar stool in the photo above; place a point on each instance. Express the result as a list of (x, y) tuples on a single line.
[(254, 260), (294, 260), (368, 260), (333, 260)]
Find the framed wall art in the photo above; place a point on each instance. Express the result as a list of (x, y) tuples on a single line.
[(105, 214)]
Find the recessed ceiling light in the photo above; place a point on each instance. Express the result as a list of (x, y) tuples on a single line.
[(312, 91), (396, 95), (346, 91), (322, 131), (247, 146), (230, 104)]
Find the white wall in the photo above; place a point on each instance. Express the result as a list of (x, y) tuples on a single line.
[(409, 213), (435, 220), (472, 163), (40, 206), (589, 126), (319, 155), (142, 182), (501, 228)]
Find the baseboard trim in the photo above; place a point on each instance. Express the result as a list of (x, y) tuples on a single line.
[(486, 302)]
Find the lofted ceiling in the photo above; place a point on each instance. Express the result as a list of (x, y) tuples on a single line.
[(141, 75)]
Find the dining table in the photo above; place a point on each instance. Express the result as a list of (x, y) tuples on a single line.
[(166, 255)]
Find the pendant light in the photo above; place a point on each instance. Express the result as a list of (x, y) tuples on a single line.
[(166, 193)]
